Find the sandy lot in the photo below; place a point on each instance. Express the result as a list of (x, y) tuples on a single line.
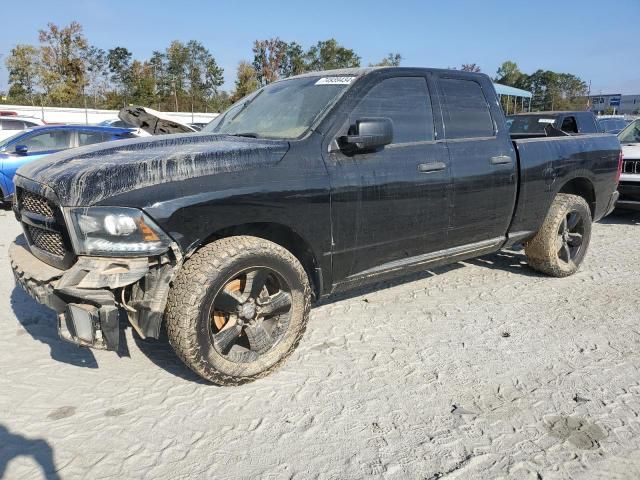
[(483, 369)]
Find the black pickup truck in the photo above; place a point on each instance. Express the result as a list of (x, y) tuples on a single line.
[(536, 124), (311, 185)]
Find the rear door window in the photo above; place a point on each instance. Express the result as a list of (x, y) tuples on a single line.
[(466, 112), (89, 138), (405, 100)]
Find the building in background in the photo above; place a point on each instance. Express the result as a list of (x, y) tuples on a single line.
[(615, 103), (630, 104)]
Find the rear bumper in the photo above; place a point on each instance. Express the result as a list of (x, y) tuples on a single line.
[(89, 296), (612, 203), (629, 195)]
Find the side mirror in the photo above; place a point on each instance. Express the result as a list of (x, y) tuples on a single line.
[(368, 134), (21, 149)]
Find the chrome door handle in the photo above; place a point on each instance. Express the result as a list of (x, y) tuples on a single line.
[(501, 160), (431, 167)]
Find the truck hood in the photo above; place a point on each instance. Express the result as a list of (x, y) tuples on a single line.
[(631, 151), (85, 176)]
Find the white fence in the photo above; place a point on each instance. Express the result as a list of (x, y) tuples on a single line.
[(91, 115)]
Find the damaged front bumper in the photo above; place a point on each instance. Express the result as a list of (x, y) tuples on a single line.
[(89, 296)]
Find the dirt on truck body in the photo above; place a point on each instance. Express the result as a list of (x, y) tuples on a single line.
[(311, 185)]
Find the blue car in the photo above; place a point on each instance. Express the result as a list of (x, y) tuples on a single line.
[(37, 142)]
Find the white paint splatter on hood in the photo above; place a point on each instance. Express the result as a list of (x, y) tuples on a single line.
[(87, 175)]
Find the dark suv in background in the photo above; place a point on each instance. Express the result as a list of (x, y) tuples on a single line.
[(527, 125)]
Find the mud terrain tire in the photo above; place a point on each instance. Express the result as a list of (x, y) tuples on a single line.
[(560, 245), (194, 293)]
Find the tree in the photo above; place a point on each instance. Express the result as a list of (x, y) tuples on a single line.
[(246, 81), (62, 54), (97, 73), (204, 76), (329, 54), (177, 55), (470, 67), (294, 63), (391, 60), (270, 60), (23, 66), (162, 83), (141, 83), (119, 61), (509, 74), (220, 101), (555, 91)]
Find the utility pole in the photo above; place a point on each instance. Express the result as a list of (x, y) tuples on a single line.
[(86, 112), (175, 94)]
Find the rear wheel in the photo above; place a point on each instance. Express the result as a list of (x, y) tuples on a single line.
[(238, 309), (560, 246)]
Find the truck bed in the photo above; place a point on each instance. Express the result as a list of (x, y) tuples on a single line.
[(547, 165)]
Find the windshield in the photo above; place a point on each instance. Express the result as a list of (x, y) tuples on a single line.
[(529, 123), (285, 109), (5, 142), (631, 134)]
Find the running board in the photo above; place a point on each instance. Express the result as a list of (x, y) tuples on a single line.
[(433, 259)]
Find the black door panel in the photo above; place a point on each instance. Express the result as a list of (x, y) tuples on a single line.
[(384, 208), (483, 163), (392, 203)]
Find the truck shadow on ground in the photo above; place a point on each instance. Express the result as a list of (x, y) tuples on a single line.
[(512, 260), (13, 445), (41, 323), (162, 355), (622, 217)]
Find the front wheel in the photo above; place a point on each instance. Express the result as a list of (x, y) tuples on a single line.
[(560, 246), (238, 309)]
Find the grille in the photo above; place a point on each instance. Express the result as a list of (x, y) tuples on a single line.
[(36, 204), (46, 240), (631, 166)]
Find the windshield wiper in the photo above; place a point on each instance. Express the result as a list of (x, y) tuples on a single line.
[(246, 134)]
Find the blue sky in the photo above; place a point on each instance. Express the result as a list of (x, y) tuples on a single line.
[(595, 40)]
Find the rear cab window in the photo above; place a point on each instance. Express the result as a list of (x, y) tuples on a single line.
[(466, 110), (569, 124), (529, 124)]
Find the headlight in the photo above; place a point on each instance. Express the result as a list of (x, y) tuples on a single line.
[(116, 231)]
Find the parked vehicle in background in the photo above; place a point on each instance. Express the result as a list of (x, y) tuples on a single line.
[(312, 185), (10, 125), (629, 186), (153, 122), (35, 143), (116, 122), (527, 125), (612, 124)]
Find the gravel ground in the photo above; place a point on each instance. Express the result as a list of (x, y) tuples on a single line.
[(482, 369)]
